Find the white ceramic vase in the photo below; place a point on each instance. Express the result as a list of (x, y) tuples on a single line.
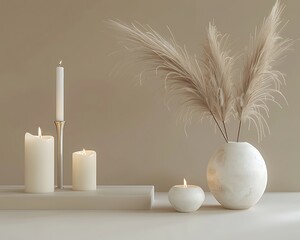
[(237, 175)]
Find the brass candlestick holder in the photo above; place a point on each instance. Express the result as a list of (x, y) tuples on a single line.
[(60, 153)]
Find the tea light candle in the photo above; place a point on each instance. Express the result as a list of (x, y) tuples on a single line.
[(186, 198), (84, 171), (39, 163)]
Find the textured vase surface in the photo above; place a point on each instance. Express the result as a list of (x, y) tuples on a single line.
[(237, 175)]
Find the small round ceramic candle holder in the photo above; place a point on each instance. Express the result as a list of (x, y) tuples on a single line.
[(186, 198)]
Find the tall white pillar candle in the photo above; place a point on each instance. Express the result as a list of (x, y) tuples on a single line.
[(84, 170), (60, 93), (39, 163)]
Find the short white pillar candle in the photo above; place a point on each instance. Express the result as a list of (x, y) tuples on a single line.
[(39, 163), (186, 198), (84, 170)]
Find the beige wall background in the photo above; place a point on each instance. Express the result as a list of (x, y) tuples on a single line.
[(138, 141)]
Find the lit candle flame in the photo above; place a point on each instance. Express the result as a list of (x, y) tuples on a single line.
[(83, 152), (184, 183), (60, 62), (39, 132)]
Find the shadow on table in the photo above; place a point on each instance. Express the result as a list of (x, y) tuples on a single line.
[(207, 209)]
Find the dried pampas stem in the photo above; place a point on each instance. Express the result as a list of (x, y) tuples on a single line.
[(182, 73), (225, 137), (239, 131), (260, 82), (217, 68), (225, 130)]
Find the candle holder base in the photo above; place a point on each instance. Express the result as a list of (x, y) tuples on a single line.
[(104, 198)]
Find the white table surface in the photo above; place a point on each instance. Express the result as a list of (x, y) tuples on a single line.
[(276, 216)]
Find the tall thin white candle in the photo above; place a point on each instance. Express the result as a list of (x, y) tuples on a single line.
[(60, 93)]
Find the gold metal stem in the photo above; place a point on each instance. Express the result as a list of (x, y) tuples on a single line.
[(60, 153)]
